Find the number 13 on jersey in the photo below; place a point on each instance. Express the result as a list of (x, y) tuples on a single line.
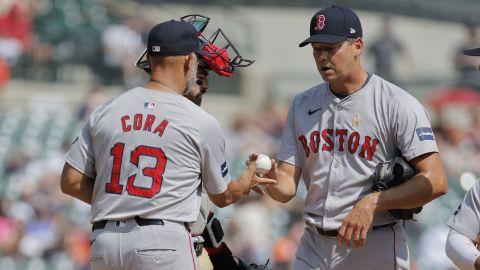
[(155, 173)]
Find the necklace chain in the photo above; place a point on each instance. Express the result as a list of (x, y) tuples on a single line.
[(164, 83)]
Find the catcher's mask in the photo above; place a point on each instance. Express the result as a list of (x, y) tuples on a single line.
[(224, 55)]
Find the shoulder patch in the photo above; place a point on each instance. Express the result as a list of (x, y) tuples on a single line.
[(224, 169), (425, 134)]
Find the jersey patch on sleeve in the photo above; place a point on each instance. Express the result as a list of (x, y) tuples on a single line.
[(425, 134), (224, 169)]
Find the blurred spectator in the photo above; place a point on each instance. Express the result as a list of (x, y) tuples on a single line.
[(15, 30), (15, 21), (122, 44), (454, 109), (466, 66), (384, 51), (252, 218), (246, 138), (270, 121), (476, 128), (39, 231), (284, 248), (458, 146), (10, 49), (4, 75), (67, 34)]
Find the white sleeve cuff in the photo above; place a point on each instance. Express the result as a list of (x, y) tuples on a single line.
[(461, 250)]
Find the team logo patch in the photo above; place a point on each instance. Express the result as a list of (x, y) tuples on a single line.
[(425, 134), (150, 105), (320, 22), (224, 169), (356, 119), (155, 48)]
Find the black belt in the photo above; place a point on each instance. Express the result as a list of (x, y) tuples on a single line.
[(334, 233), (140, 221)]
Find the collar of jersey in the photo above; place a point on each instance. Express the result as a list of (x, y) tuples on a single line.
[(341, 97)]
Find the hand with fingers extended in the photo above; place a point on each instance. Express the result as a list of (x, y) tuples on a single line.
[(267, 178), (252, 180), (354, 229)]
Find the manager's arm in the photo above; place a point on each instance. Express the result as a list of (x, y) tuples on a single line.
[(239, 188), (75, 184)]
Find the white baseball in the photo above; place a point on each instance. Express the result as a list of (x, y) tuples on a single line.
[(263, 164)]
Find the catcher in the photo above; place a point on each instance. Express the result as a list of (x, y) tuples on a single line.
[(207, 231)]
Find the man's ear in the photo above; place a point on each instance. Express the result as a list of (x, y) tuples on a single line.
[(191, 59), (358, 44)]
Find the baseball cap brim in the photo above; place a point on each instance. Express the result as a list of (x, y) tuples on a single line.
[(472, 52), (323, 38)]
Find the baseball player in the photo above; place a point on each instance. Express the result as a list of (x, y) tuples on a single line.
[(142, 159), (205, 234), (335, 135), (463, 238)]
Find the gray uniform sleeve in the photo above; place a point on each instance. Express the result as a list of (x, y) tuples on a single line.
[(466, 220), (80, 155), (412, 129), (288, 148), (215, 174)]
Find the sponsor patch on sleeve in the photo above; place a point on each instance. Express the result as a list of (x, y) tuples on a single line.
[(425, 134), (224, 169)]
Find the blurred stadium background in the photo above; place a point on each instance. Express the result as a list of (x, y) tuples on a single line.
[(59, 59)]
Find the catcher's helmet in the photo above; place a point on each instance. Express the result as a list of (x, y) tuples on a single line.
[(224, 56)]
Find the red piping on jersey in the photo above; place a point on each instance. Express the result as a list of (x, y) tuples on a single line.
[(191, 253), (394, 250)]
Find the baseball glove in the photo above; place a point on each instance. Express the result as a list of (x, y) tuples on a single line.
[(392, 173)]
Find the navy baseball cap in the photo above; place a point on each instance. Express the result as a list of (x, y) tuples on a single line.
[(472, 52), (332, 25), (174, 38)]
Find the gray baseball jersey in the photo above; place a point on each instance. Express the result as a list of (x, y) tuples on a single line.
[(338, 142), (466, 220), (149, 153)]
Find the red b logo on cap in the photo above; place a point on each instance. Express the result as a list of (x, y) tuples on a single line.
[(320, 22)]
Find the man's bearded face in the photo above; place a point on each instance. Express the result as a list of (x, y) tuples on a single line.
[(194, 91)]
